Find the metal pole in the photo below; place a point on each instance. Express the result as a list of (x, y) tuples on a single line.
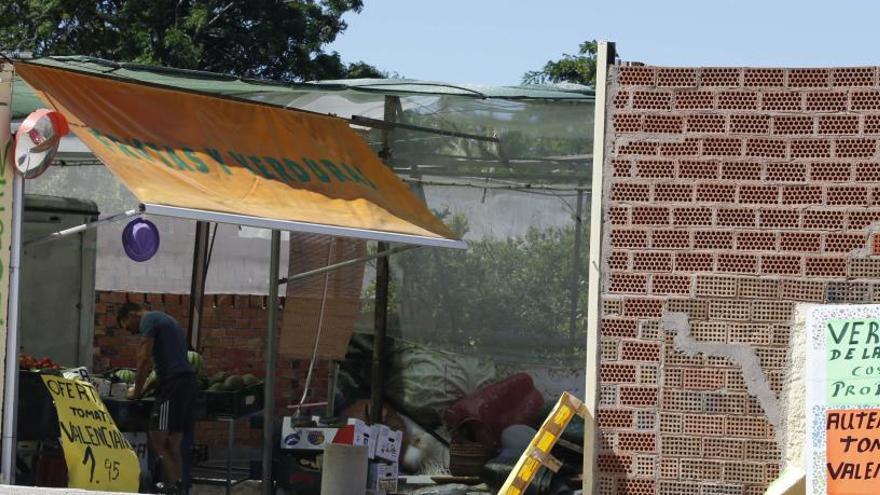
[(271, 337), (594, 277), (343, 264), (197, 284), (380, 310), (576, 269), (82, 228), (10, 391), (380, 330)]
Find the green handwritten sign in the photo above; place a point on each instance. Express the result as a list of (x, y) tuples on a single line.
[(852, 350)]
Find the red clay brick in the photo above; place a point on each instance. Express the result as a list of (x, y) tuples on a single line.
[(664, 124), (765, 195), (716, 193), (826, 101), (825, 267), (800, 241), (617, 373), (862, 219), (837, 242), (691, 216), (652, 261), (848, 195), (619, 215), (865, 100), (618, 260), (622, 99), (646, 308), (614, 418), (782, 102), (811, 148), (670, 239), (720, 76), (737, 263), (652, 100), (808, 78), (750, 124), (637, 76), (702, 379), (741, 171), (764, 77), (781, 265), (695, 100), (638, 148), (629, 238), (670, 284), (636, 442), (713, 239), (627, 123), (674, 193), (638, 396), (618, 327), (629, 283), (630, 192), (688, 147), (825, 220), (655, 169), (706, 123), (691, 169), (854, 76), (694, 262), (855, 148), (831, 172), (765, 148), (786, 172), (792, 125), (839, 124), (650, 215), (736, 217), (801, 195), (612, 463), (676, 77), (722, 147), (756, 241), (738, 100)]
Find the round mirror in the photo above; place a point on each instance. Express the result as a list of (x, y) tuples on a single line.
[(37, 140)]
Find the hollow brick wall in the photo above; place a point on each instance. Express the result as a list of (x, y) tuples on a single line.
[(731, 194)]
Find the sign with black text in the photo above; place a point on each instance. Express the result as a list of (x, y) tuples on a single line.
[(98, 455)]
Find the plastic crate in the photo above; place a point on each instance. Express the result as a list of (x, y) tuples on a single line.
[(237, 404)]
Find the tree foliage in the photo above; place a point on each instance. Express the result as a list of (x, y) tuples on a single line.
[(505, 298), (579, 68), (273, 39)]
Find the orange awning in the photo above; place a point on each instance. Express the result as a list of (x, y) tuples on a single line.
[(192, 155)]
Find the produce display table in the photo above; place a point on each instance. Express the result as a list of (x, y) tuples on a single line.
[(229, 407)]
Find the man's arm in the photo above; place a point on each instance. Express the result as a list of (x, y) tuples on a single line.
[(144, 362)]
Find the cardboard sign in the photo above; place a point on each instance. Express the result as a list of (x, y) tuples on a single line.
[(98, 455), (843, 399)]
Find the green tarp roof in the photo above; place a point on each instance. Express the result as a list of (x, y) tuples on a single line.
[(24, 100)]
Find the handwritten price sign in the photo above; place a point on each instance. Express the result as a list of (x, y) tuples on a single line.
[(97, 454)]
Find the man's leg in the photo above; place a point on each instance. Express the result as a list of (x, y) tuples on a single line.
[(176, 459), (159, 444)]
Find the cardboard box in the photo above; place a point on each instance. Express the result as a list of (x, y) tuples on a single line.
[(305, 437), (382, 477), (362, 432), (387, 443)]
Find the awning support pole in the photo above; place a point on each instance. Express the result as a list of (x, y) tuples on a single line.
[(269, 439), (197, 285), (343, 264), (380, 331), (81, 228), (10, 387)]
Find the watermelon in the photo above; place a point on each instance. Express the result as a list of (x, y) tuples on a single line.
[(125, 376), (217, 387), (195, 361), (234, 382), (249, 380), (220, 377)]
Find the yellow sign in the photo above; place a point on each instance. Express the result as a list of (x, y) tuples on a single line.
[(195, 151), (538, 452), (97, 454)]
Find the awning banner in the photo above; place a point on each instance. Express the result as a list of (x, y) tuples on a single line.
[(194, 151)]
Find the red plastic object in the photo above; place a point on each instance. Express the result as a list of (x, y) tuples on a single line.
[(484, 414)]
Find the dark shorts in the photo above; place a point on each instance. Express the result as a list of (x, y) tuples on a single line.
[(174, 410)]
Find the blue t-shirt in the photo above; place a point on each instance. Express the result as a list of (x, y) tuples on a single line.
[(169, 345)]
